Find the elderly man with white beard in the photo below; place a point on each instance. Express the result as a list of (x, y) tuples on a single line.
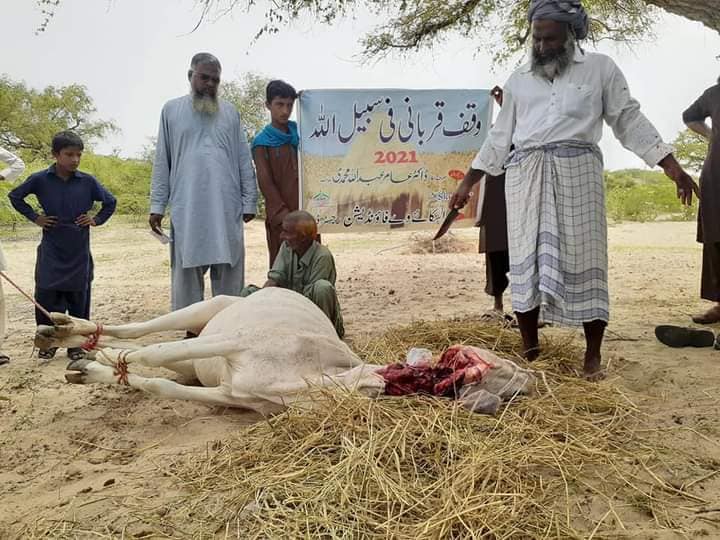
[(203, 171), (553, 113)]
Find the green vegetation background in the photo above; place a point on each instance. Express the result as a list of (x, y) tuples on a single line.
[(632, 195)]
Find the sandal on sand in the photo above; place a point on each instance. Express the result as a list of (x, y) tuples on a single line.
[(677, 336), (75, 353), (47, 354)]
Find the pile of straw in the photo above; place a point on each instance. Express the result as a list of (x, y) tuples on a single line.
[(566, 464)]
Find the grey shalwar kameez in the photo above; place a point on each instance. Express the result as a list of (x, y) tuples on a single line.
[(203, 171)]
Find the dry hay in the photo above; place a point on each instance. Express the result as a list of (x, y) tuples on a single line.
[(423, 243), (565, 465)]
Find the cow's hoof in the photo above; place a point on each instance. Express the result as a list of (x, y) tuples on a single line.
[(78, 365), (45, 337), (45, 330), (76, 378), (66, 326), (60, 319)]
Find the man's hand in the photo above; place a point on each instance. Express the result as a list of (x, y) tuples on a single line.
[(463, 192), (46, 222), (247, 218), (461, 196), (686, 186), (270, 283), (155, 222), (83, 220), (279, 216)]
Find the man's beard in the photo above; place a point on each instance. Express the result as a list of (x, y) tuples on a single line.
[(205, 104), (552, 65)]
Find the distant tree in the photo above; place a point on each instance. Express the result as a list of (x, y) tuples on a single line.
[(29, 118), (248, 95), (691, 150), (147, 152), (498, 24)]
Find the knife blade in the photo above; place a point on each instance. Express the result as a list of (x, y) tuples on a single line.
[(452, 216)]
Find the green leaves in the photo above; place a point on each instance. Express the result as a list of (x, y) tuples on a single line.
[(248, 95), (497, 26), (29, 118), (691, 150)]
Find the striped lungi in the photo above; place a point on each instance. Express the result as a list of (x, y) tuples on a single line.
[(557, 232)]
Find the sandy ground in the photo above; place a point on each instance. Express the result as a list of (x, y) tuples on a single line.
[(81, 449)]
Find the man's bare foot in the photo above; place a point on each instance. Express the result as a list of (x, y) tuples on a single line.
[(531, 354), (711, 316), (592, 370), (496, 316)]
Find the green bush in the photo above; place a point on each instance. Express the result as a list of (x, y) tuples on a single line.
[(127, 179), (632, 195), (644, 196)]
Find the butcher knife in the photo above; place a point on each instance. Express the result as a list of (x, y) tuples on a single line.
[(452, 216)]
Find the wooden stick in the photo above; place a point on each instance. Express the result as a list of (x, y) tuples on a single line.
[(26, 295)]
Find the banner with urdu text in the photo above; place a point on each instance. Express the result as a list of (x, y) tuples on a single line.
[(387, 159)]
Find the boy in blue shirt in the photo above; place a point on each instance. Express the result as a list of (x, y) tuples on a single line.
[(64, 266)]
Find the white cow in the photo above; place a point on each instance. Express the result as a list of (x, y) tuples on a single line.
[(260, 352)]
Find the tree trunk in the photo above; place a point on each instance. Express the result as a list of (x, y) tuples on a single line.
[(704, 11)]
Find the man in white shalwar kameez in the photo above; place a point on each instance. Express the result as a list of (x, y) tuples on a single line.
[(11, 170), (203, 171), (553, 113)]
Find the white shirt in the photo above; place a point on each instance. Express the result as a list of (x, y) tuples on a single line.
[(537, 111), (15, 165), (14, 169)]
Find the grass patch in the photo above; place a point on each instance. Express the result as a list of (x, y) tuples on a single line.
[(633, 195)]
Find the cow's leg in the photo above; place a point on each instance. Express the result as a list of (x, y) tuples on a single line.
[(185, 368), (44, 339), (88, 371), (193, 318), (165, 354)]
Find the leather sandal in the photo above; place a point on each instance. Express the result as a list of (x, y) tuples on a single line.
[(47, 354), (677, 336)]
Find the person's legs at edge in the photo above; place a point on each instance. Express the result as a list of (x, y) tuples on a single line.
[(594, 332), (528, 324)]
